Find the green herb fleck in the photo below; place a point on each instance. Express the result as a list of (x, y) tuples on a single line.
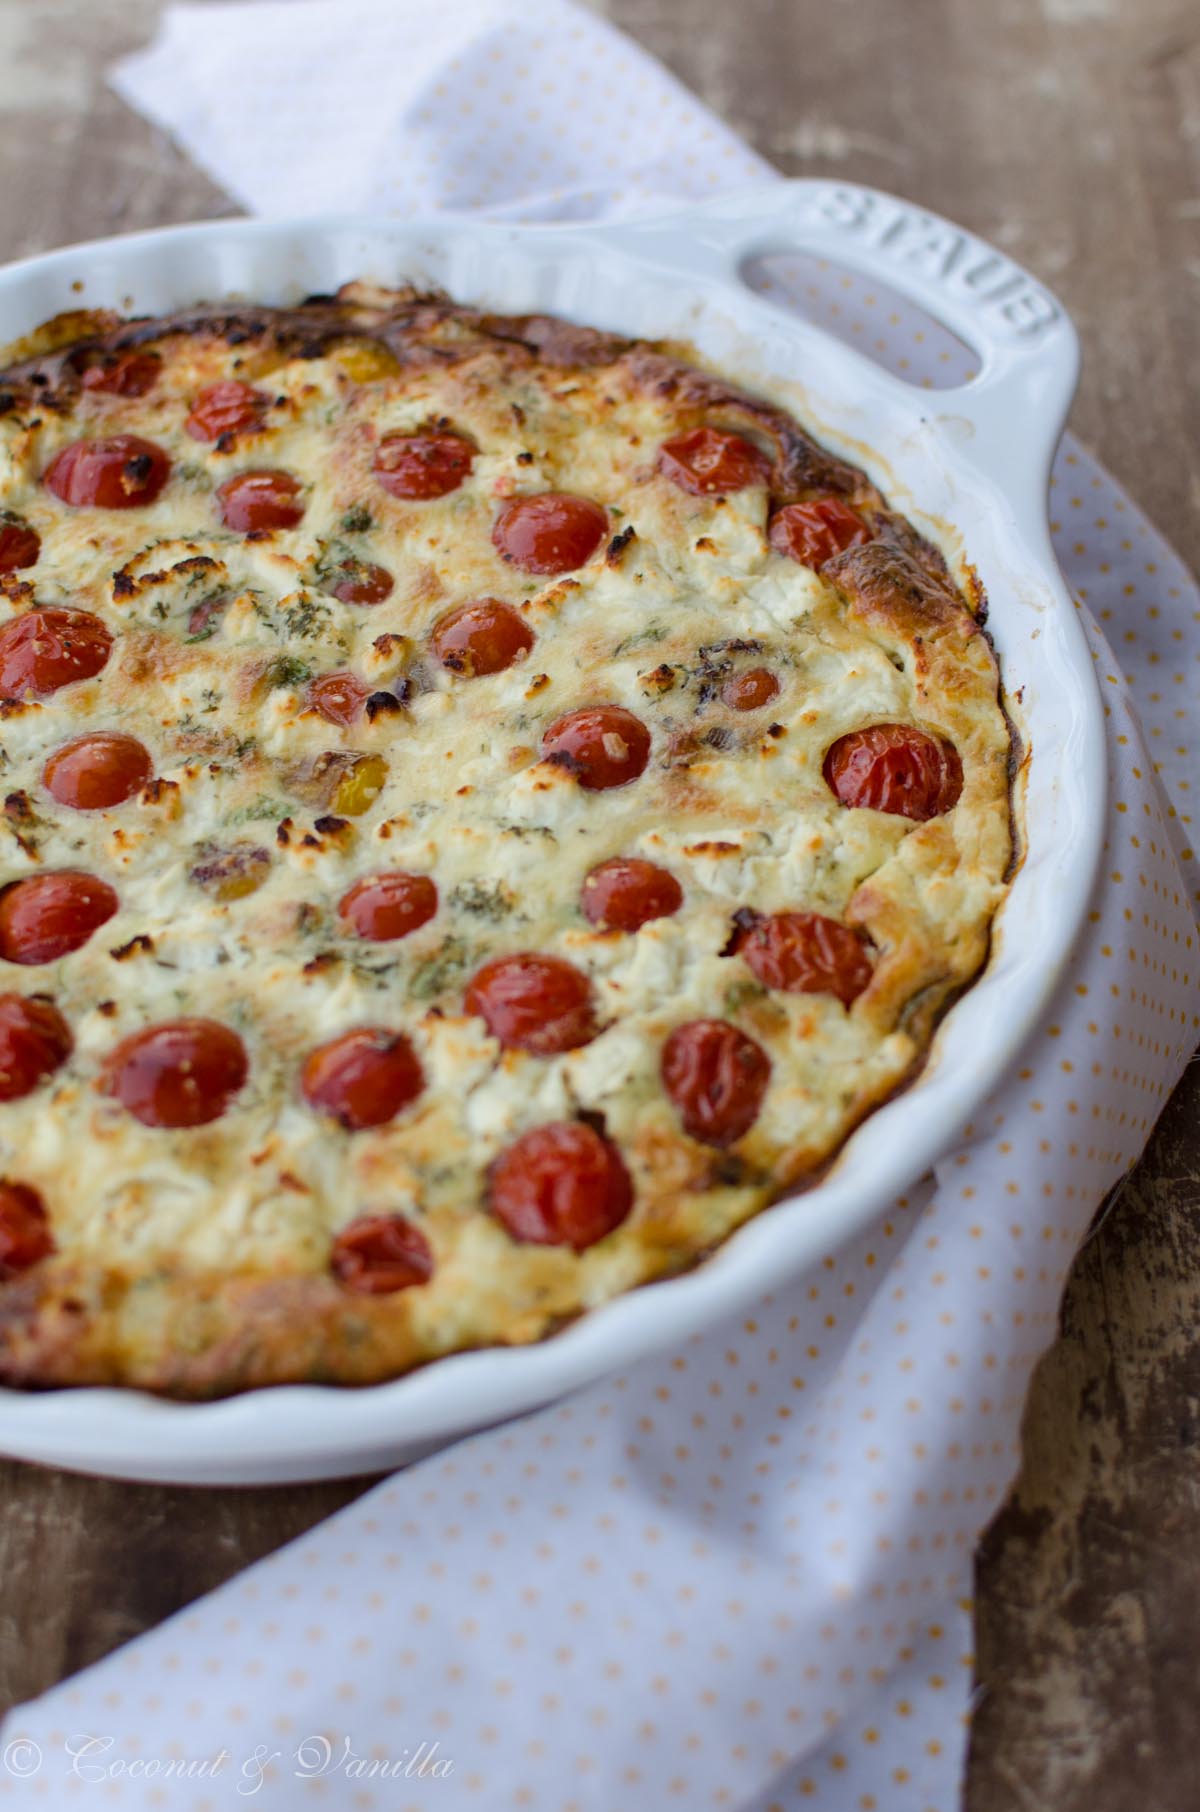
[(741, 993), (262, 807), (287, 670), (308, 616), (357, 520), (486, 900), (441, 971), (373, 969), (197, 476), (641, 638)]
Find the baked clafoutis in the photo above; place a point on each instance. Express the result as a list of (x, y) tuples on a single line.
[(488, 805)]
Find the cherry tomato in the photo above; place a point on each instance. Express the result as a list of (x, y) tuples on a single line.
[(24, 1230), (339, 697), (91, 773), (227, 408), (811, 533), (379, 1254), (129, 373), (47, 916), (35, 1040), (751, 690), (601, 745), (551, 533), (364, 1078), (184, 1072), (627, 892), (538, 1004), (362, 583), (560, 1185), (422, 465), (20, 544), (895, 768), (717, 1077), (706, 460), (485, 636), (117, 473), (805, 953), (252, 502), (45, 649), (385, 907)]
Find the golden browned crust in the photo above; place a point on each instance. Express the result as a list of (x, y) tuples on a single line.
[(414, 327), (694, 581), (417, 328)]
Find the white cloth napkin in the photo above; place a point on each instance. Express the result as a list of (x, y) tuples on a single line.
[(738, 1576), (534, 110)]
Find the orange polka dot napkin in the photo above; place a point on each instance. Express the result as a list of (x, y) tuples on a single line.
[(736, 1576)]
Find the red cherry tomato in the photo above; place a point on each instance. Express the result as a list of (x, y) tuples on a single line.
[(228, 408), (24, 1230), (751, 690), (805, 953), (379, 1254), (601, 745), (362, 583), (385, 907), (811, 533), (20, 545), (627, 892), (717, 1077), (129, 373), (895, 768), (706, 460), (45, 649), (364, 1078), (422, 465), (184, 1072), (35, 1040), (339, 697), (117, 473), (253, 502), (47, 916), (482, 637), (92, 773), (551, 533), (560, 1185), (538, 1004)]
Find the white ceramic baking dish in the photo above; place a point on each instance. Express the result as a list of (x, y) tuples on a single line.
[(976, 457)]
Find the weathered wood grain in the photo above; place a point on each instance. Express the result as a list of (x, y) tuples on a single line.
[(1069, 132), (1088, 1602)]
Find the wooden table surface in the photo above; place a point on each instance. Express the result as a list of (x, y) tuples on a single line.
[(1068, 131)]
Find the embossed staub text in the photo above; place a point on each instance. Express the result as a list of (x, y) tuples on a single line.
[(951, 259)]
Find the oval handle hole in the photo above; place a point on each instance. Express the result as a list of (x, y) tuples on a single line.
[(876, 320)]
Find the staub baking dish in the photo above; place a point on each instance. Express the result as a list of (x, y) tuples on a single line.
[(969, 465)]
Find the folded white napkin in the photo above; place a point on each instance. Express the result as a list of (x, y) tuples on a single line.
[(534, 111), (738, 1576)]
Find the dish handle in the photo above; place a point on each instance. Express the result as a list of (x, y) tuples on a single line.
[(1007, 419)]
